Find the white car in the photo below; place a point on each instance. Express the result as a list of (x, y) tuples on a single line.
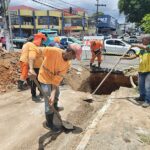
[(118, 46)]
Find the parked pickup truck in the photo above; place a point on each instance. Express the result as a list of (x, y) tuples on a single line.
[(69, 40), (50, 34), (19, 42)]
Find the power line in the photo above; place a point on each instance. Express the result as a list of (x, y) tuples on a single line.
[(52, 6), (47, 4), (75, 5)]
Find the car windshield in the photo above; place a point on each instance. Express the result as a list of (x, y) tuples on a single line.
[(52, 34)]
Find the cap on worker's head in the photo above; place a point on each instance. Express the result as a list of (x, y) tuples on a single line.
[(57, 39), (38, 38), (77, 48)]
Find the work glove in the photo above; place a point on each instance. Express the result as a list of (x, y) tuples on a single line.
[(97, 52)]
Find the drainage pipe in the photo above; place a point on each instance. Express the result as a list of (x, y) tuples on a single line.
[(132, 82)]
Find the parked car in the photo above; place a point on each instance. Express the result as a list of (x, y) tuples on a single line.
[(69, 40), (118, 46), (129, 39), (132, 39)]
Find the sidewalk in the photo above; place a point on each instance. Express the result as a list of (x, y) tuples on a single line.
[(124, 126)]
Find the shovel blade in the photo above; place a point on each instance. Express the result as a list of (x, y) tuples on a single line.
[(88, 100), (67, 125)]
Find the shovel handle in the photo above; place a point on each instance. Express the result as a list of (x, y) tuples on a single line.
[(32, 77)]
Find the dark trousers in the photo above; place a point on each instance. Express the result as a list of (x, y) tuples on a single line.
[(4, 45), (33, 85)]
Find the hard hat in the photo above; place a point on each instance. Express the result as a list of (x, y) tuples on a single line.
[(38, 38)]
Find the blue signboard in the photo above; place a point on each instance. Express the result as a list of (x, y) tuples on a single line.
[(107, 21)]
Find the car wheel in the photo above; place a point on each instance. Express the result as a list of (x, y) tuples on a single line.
[(131, 52)]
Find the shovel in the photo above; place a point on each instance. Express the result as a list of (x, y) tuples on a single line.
[(65, 124)]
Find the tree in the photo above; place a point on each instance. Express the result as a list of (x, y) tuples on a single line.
[(134, 10), (146, 23)]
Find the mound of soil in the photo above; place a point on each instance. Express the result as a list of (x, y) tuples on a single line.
[(78, 80), (9, 70)]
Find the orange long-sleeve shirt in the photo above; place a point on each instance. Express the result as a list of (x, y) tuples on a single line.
[(25, 52), (53, 67), (97, 45), (36, 54), (30, 50)]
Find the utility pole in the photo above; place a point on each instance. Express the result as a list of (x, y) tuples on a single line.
[(10, 30), (97, 12), (83, 24), (62, 24)]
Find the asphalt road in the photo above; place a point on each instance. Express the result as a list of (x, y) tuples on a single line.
[(108, 61)]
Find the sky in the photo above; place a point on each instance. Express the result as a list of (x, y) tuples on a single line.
[(110, 9)]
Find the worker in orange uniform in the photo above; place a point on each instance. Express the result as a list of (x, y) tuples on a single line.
[(24, 61), (54, 67), (96, 47), (35, 61), (57, 39), (24, 64)]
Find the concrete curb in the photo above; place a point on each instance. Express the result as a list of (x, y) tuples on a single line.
[(90, 129)]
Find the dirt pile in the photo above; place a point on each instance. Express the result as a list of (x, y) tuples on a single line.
[(78, 79), (9, 70)]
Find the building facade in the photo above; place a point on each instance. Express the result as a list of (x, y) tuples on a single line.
[(106, 24), (26, 21), (75, 23)]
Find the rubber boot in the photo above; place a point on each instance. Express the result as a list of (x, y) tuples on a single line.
[(20, 85), (51, 125), (49, 120)]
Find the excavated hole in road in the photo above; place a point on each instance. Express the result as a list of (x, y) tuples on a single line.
[(112, 83), (87, 82)]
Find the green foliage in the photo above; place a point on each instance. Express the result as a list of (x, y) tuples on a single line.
[(144, 138), (134, 10), (146, 23)]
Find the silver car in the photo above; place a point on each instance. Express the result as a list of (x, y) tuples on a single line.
[(118, 46)]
